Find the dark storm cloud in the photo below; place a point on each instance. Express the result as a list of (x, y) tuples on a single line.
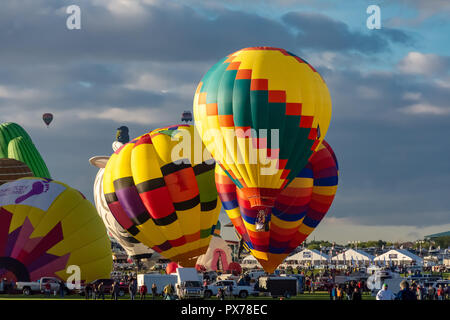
[(320, 32), (392, 167), (163, 33)]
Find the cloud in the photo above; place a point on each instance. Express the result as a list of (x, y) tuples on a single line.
[(437, 9), (421, 108), (424, 64), (320, 32), (142, 116)]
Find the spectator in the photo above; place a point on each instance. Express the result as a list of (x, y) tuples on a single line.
[(221, 294), (87, 291), (47, 289), (340, 293), (406, 293), (101, 290), (154, 291), (132, 288), (333, 293), (143, 291), (94, 291), (385, 293), (440, 293), (419, 292), (62, 288), (431, 293), (349, 291), (115, 291), (356, 295)]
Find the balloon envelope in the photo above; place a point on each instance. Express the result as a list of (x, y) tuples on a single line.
[(131, 245), (47, 117), (172, 267), (161, 197), (45, 227), (297, 211), (11, 169), (262, 112)]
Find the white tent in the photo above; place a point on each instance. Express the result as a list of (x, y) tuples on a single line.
[(307, 256), (250, 262), (353, 257), (399, 256)]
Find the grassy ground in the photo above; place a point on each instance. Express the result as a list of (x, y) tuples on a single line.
[(321, 295)]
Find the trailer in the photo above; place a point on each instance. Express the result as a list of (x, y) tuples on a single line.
[(278, 286), (160, 280)]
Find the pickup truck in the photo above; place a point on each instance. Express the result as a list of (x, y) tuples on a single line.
[(188, 284), (29, 288), (237, 291)]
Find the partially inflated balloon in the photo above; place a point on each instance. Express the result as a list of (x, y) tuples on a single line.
[(11, 169), (297, 211), (161, 196), (15, 143), (45, 227), (262, 112)]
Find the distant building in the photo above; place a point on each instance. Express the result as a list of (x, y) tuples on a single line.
[(250, 262), (398, 257), (353, 257), (307, 257)]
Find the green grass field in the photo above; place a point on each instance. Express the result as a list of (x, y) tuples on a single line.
[(321, 295)]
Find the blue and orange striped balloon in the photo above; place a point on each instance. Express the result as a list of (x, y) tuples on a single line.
[(298, 209)]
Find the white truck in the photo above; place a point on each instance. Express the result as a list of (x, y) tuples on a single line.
[(29, 288), (236, 290), (189, 285)]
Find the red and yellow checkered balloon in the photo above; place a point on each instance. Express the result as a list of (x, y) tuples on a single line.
[(264, 102)]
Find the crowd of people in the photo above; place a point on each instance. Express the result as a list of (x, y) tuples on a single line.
[(414, 292)]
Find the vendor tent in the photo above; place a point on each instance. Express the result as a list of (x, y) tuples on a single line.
[(353, 257), (250, 262), (307, 257), (399, 257)]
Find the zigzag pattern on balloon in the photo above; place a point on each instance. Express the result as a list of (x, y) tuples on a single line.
[(297, 211), (262, 88), (46, 226)]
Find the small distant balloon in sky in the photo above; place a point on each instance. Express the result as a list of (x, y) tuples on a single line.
[(48, 118)]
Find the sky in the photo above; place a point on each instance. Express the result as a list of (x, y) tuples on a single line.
[(137, 63)]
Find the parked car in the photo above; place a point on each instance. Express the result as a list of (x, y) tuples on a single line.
[(237, 290), (188, 284), (28, 288)]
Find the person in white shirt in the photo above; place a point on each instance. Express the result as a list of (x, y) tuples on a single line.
[(385, 293)]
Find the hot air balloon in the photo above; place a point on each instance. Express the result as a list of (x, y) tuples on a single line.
[(186, 116), (160, 196), (171, 267), (218, 256), (11, 169), (15, 143), (297, 211), (262, 112), (131, 245), (47, 227), (47, 117)]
